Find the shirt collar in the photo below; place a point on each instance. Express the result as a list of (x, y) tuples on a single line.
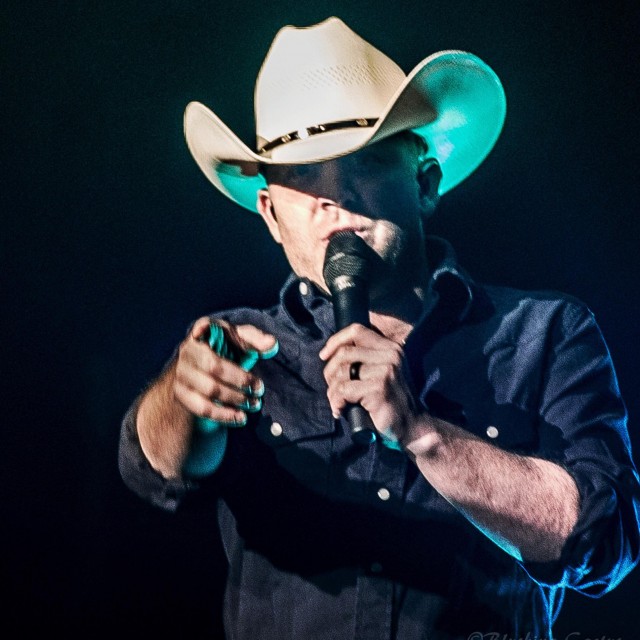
[(311, 312), (452, 285)]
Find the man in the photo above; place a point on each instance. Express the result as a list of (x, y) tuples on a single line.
[(501, 471)]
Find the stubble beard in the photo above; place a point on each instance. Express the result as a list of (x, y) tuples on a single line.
[(398, 276)]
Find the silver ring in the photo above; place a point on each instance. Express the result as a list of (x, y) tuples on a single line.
[(354, 370)]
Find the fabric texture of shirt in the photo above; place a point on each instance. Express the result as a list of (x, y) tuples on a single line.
[(328, 539)]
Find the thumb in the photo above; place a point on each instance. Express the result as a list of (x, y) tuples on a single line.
[(250, 338), (243, 344)]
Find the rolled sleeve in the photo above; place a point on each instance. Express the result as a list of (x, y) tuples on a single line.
[(584, 429), (139, 475)]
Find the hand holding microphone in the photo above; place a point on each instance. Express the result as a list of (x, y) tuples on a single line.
[(364, 369), (346, 273)]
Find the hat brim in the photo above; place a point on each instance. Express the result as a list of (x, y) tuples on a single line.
[(452, 99)]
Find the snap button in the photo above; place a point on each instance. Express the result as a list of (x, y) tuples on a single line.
[(384, 493), (492, 432), (304, 288), (376, 567), (276, 429)]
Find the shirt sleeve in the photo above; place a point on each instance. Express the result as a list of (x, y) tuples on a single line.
[(139, 475), (136, 471), (584, 429)]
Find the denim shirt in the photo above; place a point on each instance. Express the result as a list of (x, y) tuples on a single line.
[(329, 539)]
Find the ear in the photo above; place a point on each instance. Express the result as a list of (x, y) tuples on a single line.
[(429, 178), (266, 210)]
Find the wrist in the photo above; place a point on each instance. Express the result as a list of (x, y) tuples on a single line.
[(422, 438)]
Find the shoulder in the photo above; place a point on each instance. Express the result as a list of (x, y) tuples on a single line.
[(246, 315), (508, 298), (274, 319), (267, 319), (521, 315)]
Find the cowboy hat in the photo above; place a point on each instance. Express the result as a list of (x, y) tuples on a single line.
[(323, 92)]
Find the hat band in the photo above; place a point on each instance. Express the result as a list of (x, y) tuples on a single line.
[(307, 132)]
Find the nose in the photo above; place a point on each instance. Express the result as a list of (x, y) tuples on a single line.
[(339, 186), (340, 195), (326, 204), (332, 216), (335, 212)]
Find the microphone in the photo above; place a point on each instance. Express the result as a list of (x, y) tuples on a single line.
[(346, 273)]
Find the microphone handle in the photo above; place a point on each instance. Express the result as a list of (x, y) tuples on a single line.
[(350, 305), (362, 429)]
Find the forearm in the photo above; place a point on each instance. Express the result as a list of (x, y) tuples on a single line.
[(164, 426), (526, 505)]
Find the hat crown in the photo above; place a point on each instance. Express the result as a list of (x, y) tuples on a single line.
[(326, 74), (321, 74)]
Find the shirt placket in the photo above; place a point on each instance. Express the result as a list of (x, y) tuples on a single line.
[(374, 590)]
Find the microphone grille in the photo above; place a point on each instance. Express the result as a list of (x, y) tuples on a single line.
[(347, 255)]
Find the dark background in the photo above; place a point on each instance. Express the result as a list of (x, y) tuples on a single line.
[(113, 242)]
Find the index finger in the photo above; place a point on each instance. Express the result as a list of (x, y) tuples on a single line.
[(198, 356), (355, 334)]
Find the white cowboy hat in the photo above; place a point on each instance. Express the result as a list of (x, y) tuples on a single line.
[(324, 92)]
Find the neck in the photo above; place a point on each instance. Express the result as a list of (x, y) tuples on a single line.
[(394, 329), (396, 315)]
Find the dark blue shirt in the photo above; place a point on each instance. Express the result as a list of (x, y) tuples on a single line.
[(326, 539)]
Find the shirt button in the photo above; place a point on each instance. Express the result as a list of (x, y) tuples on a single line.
[(375, 567), (492, 432), (276, 429), (384, 493), (304, 288)]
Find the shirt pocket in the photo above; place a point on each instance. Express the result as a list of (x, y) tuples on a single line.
[(297, 425), (507, 426), (473, 408)]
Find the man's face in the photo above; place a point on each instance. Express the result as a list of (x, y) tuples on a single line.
[(376, 192)]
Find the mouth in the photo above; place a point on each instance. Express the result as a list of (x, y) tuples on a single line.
[(359, 231)]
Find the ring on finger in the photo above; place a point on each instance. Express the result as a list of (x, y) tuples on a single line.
[(354, 370)]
